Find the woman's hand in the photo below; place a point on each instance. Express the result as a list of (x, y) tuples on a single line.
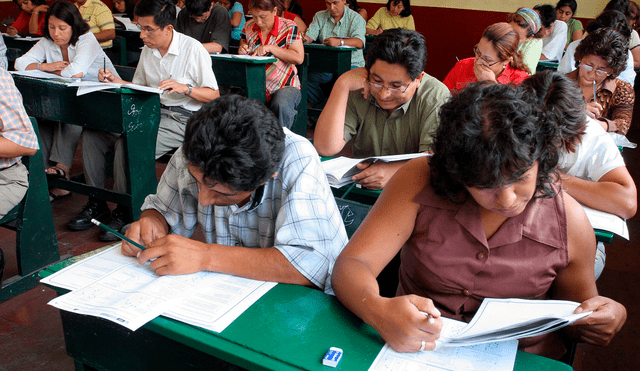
[(12, 31), (40, 9), (263, 50), (594, 110), (600, 326), (483, 72), (53, 67), (243, 49), (402, 325)]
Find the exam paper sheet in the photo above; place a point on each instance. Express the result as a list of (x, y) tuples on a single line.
[(493, 356), (112, 286)]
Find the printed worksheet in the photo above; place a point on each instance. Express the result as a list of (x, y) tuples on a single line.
[(492, 356)]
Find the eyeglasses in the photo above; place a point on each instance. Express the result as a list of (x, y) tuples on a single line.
[(376, 86), (147, 29), (479, 56), (599, 73)]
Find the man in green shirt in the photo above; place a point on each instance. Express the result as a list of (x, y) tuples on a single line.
[(388, 107)]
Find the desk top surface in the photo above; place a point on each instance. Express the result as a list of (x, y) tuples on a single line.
[(332, 48), (301, 324), (238, 59)]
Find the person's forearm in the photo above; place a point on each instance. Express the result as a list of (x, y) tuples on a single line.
[(212, 47), (353, 41), (609, 197), (105, 35), (204, 94), (266, 264), (33, 23), (287, 55), (328, 137), (9, 149)]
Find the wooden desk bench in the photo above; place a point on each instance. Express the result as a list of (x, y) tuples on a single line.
[(290, 328), (134, 114)]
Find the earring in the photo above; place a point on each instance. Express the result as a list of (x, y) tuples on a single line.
[(504, 66)]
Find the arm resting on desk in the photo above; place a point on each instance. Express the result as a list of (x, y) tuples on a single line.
[(615, 192), (105, 35), (10, 149), (294, 54)]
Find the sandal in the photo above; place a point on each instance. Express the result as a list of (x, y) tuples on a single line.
[(56, 171), (55, 197)]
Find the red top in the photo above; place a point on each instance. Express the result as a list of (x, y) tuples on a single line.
[(288, 15), (22, 23), (462, 75)]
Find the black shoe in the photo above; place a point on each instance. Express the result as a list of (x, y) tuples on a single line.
[(92, 210), (119, 218)]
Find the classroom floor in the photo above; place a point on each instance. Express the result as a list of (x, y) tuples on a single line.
[(31, 335)]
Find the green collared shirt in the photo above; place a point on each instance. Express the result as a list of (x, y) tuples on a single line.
[(408, 129), (351, 25)]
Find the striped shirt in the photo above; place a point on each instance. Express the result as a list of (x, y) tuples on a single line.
[(14, 122), (295, 212), (99, 18), (283, 34)]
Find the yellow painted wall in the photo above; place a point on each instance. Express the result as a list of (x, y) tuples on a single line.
[(586, 8)]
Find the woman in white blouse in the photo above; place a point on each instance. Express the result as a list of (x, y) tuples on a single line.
[(69, 49)]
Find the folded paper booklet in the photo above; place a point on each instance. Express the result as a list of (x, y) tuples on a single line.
[(86, 87), (607, 222), (500, 320), (340, 170)]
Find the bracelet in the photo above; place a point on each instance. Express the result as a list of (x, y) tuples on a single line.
[(38, 68)]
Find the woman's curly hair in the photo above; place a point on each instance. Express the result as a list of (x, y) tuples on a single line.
[(606, 44)]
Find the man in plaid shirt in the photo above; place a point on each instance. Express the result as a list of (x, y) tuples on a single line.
[(259, 194), (17, 139)]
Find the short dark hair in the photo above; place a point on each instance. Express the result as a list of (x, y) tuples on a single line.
[(234, 141), (69, 14), (607, 44), (547, 14), (163, 11), (267, 5), (612, 19), (560, 104), (35, 2), (619, 5), (572, 4), (197, 7), (407, 6), (399, 46), (489, 138)]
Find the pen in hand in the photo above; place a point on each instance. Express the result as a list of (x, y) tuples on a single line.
[(344, 195)]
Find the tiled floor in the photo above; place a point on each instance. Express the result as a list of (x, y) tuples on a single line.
[(31, 335)]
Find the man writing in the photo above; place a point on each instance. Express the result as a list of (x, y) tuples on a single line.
[(258, 192), (389, 107), (170, 61), (336, 26), (206, 22)]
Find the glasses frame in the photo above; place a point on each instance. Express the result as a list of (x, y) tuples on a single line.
[(598, 72), (479, 56), (376, 86)]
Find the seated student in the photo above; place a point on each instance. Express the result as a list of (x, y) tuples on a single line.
[(124, 7), (565, 10), (31, 17), (269, 35), (479, 219), (527, 24), (257, 190), (497, 59), (353, 5), (553, 35), (100, 19), (170, 61), (614, 20), (236, 17), (336, 26), (634, 40), (591, 166), (206, 22), (68, 49), (602, 56), (17, 139), (389, 107), (302, 27), (397, 14)]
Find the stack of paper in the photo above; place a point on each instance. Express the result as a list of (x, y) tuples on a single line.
[(340, 170), (607, 222), (86, 87)]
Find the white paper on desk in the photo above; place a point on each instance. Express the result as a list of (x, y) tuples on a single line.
[(243, 56), (608, 222), (493, 356), (43, 75), (340, 170), (622, 141), (86, 87), (218, 301), (128, 24)]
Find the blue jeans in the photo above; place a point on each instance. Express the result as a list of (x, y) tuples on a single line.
[(284, 103), (315, 95)]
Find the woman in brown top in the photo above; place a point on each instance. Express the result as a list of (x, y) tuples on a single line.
[(600, 58), (480, 218)]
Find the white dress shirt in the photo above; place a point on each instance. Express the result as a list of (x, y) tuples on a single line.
[(553, 45)]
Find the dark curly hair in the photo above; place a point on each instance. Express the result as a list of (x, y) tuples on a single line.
[(559, 103), (489, 138), (399, 46), (234, 141), (69, 14), (612, 19), (606, 44)]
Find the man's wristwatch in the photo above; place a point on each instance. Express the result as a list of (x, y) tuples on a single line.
[(341, 42), (190, 90)]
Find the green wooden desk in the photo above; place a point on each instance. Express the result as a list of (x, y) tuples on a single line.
[(23, 44), (323, 58), (546, 65), (134, 114), (289, 328), (132, 39), (248, 74)]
